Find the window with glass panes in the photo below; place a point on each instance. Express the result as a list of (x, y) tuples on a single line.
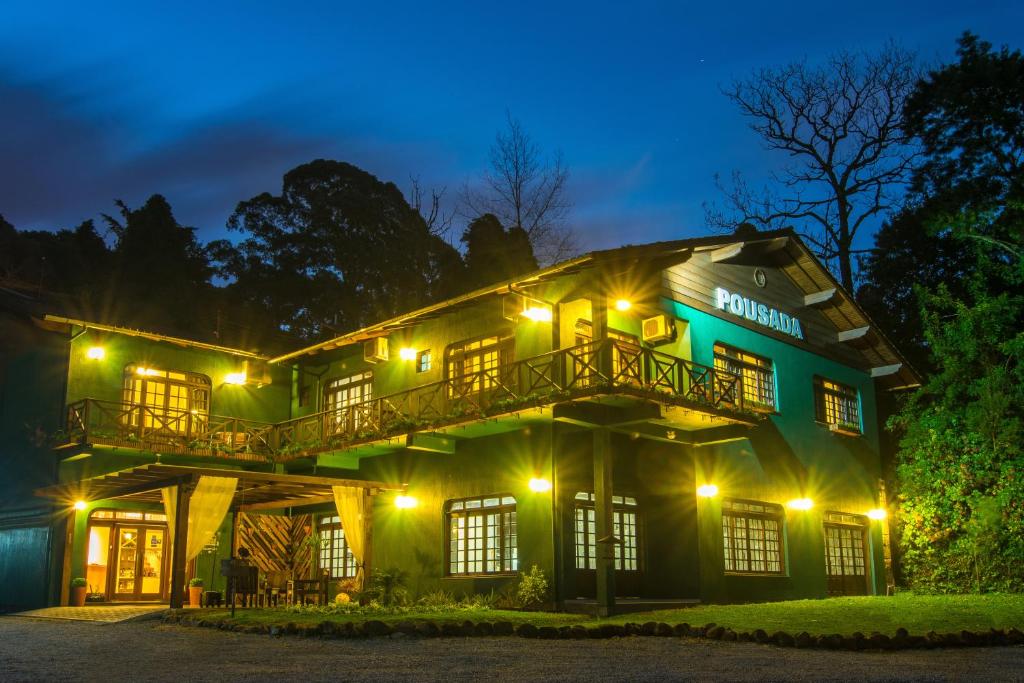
[(473, 366), (625, 527), (752, 536), (344, 400), (166, 400), (482, 535), (844, 544), (836, 404), (335, 556), (757, 373)]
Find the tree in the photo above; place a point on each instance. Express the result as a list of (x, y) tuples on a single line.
[(960, 474), (494, 254), (525, 190), (839, 126), (337, 250)]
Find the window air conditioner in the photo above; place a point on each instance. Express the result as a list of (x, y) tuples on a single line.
[(657, 329), (375, 350)]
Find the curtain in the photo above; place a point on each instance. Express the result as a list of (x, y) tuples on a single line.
[(207, 507), (170, 496), (349, 501)]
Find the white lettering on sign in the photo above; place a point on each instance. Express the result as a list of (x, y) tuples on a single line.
[(757, 312)]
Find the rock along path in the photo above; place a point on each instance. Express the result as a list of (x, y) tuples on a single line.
[(38, 650)]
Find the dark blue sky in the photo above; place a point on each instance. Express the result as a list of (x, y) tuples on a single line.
[(210, 105)]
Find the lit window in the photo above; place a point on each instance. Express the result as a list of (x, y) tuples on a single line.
[(625, 527), (166, 401), (757, 373), (423, 361), (482, 535), (752, 537), (836, 404), (335, 556), (476, 366), (625, 356), (347, 402)]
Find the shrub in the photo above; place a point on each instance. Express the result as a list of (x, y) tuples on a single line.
[(387, 588), (439, 599), (79, 582), (533, 588)]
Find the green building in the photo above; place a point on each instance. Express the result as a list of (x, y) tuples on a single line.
[(680, 421)]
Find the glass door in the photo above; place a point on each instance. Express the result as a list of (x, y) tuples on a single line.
[(151, 564), (127, 559)]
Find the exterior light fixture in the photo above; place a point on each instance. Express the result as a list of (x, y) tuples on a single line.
[(707, 491), (623, 304), (800, 504), (405, 502), (538, 485), (235, 378), (95, 353), (407, 353), (538, 313), (148, 372), (877, 514), (80, 505)]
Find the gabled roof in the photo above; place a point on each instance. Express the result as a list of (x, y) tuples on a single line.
[(780, 248)]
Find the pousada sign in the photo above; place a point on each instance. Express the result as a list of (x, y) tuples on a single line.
[(757, 312)]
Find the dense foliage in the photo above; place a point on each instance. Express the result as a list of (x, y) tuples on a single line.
[(960, 466)]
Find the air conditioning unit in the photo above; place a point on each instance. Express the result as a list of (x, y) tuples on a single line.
[(657, 329), (375, 350)]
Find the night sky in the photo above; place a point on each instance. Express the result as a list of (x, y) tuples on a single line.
[(211, 105)]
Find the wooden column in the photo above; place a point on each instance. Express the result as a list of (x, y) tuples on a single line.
[(599, 325), (180, 547), (604, 522), (367, 536), (69, 548)]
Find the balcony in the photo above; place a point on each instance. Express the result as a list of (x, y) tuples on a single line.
[(597, 369)]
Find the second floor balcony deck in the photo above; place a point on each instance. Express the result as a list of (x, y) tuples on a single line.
[(585, 372)]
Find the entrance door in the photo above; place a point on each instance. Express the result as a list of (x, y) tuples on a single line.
[(138, 563), (844, 554), (626, 528)]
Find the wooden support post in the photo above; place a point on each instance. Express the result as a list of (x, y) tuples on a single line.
[(69, 548), (367, 536), (604, 522), (178, 551), (599, 326)]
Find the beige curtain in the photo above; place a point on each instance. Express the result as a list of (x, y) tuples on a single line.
[(206, 509), (170, 496), (349, 501)]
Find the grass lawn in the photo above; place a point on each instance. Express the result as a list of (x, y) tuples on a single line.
[(916, 613)]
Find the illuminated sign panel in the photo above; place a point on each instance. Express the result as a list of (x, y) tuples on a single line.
[(756, 312)]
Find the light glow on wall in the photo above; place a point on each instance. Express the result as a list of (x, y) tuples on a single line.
[(235, 378), (405, 502), (623, 304), (877, 514), (800, 504), (538, 313), (539, 485), (707, 491), (96, 353), (80, 505), (407, 353)]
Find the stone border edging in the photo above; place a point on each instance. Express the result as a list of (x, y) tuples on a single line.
[(374, 628)]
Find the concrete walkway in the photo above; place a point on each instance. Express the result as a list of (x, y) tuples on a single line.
[(107, 614)]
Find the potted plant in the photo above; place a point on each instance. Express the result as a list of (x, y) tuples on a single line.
[(195, 592), (79, 587)]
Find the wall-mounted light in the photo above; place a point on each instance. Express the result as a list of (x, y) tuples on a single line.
[(405, 502), (407, 353), (95, 353), (877, 514), (800, 504), (623, 304), (538, 485), (707, 491), (80, 505), (235, 378), (538, 313)]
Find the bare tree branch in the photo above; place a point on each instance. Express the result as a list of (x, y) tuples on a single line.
[(438, 221), (847, 155)]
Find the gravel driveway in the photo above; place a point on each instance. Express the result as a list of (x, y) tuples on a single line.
[(37, 650)]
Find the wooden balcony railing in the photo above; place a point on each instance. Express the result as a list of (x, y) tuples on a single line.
[(167, 431), (601, 367)]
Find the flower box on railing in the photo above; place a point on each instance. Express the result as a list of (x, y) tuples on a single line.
[(845, 428)]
